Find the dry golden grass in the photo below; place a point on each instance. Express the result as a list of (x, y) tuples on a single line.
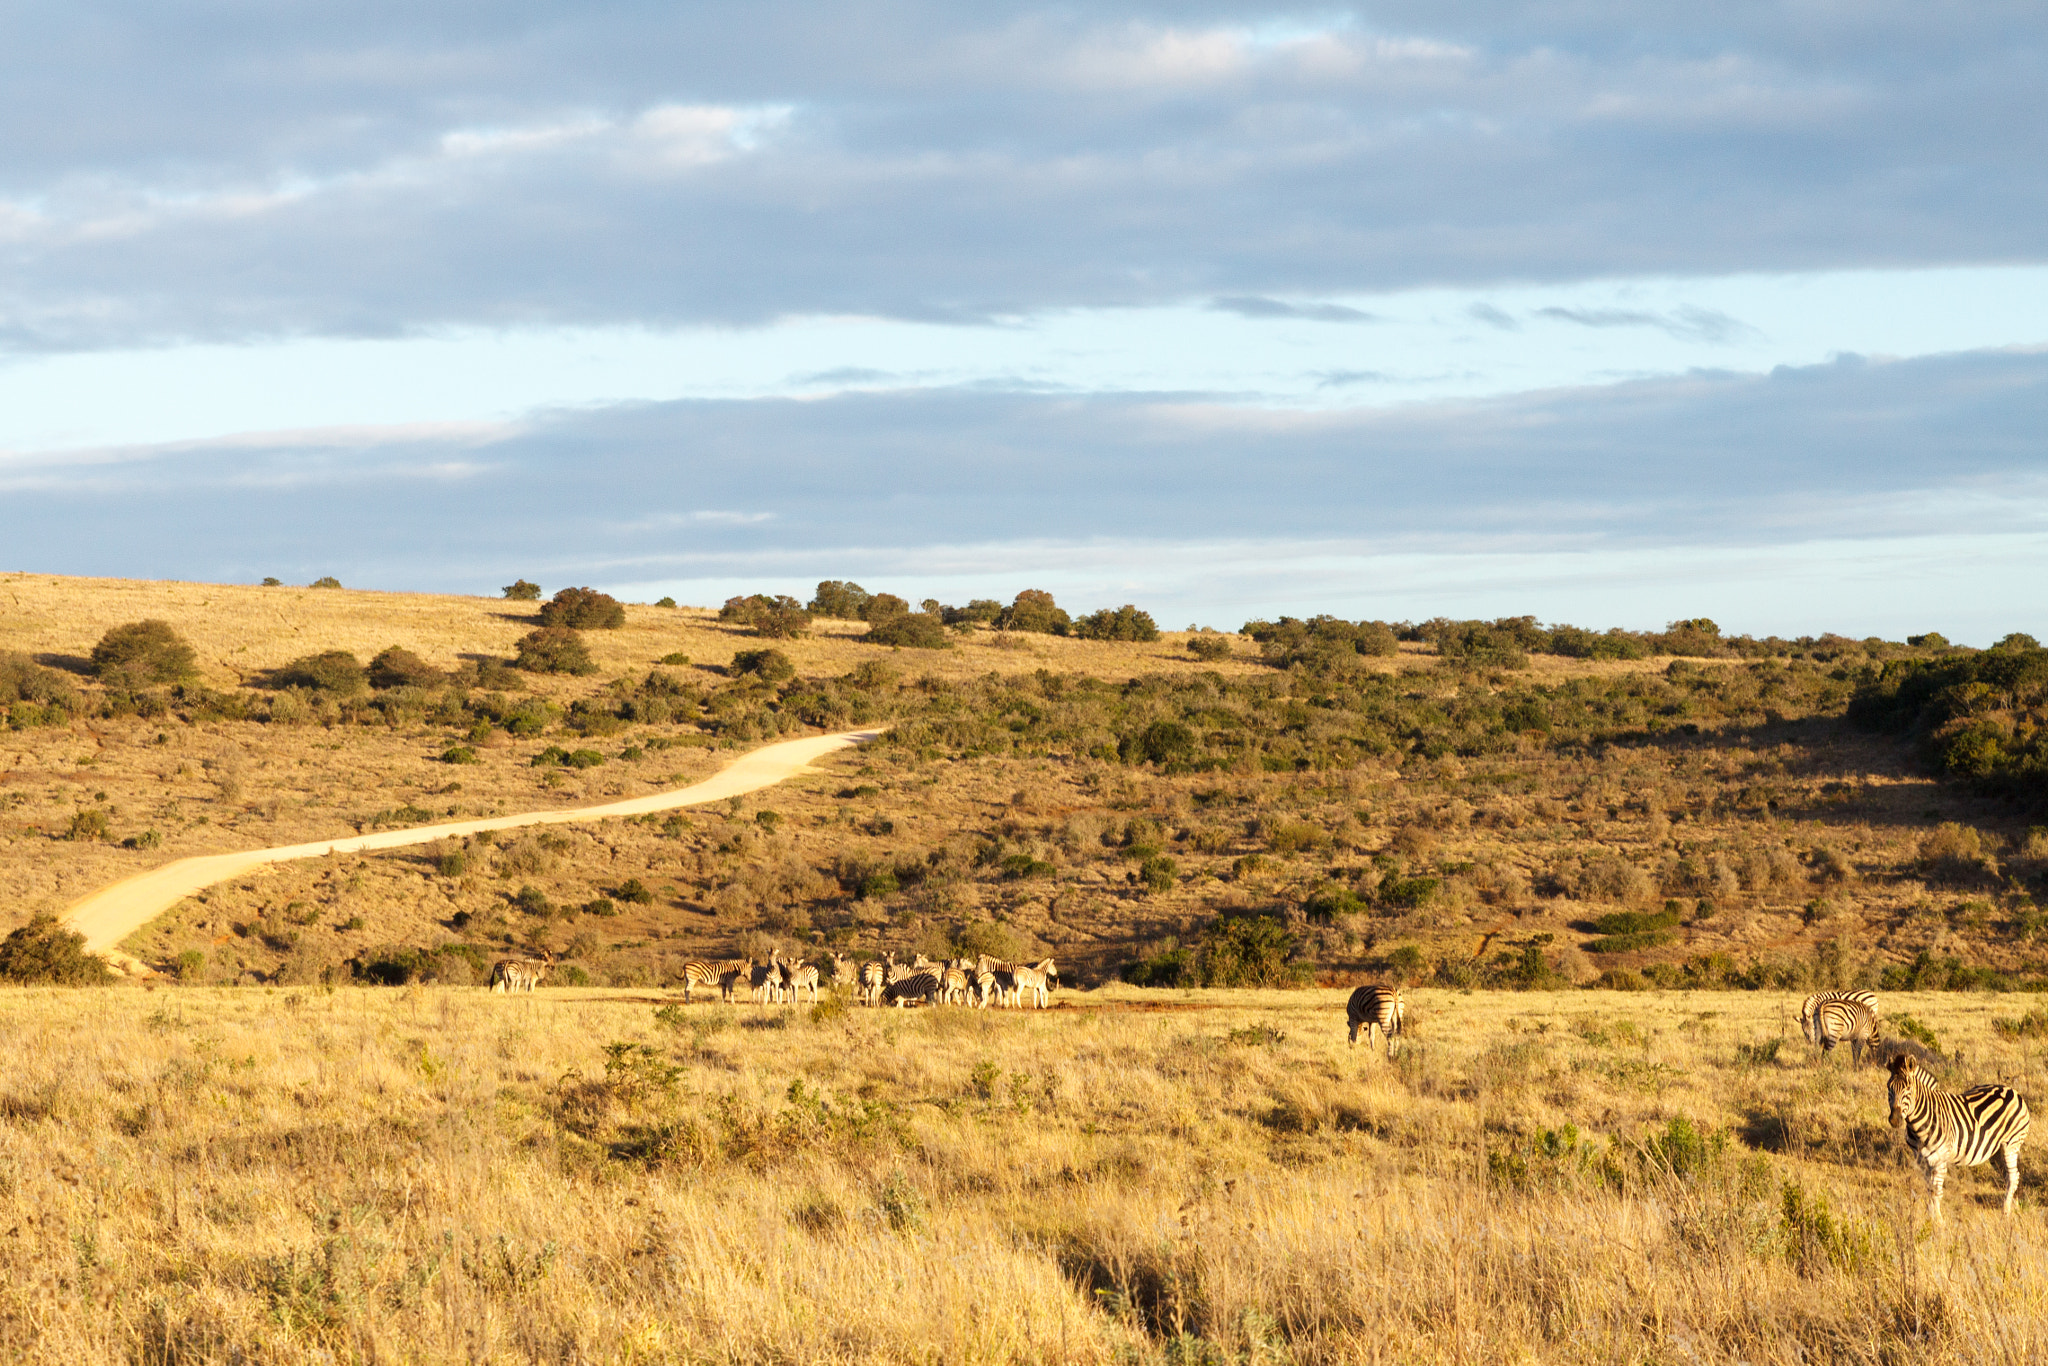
[(437, 1174)]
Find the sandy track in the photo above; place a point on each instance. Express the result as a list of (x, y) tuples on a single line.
[(113, 913)]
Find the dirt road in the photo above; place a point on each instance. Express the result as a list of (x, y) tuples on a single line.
[(113, 913)]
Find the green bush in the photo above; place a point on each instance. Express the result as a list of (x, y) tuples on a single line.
[(1320, 643), (774, 618), (675, 658), (600, 906), (664, 601), (841, 600), (459, 754), (143, 652), (330, 671), (1162, 742), (522, 590), (554, 650), (325, 581), (43, 952), (1209, 647), (398, 667), (583, 609), (910, 631), (1249, 951), (87, 827), (882, 607), (1159, 873), (771, 665), (1120, 623), (978, 611), (533, 901), (22, 680), (190, 966), (633, 892), (1034, 610)]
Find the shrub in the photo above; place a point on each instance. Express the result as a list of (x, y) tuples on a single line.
[(771, 665), (522, 590), (533, 901), (664, 601), (325, 581), (1162, 742), (1034, 610), (1159, 873), (459, 754), (583, 609), (840, 599), (24, 680), (452, 863), (143, 652), (1120, 623), (87, 826), (272, 581), (983, 611), (398, 667), (331, 671), (44, 952), (777, 618), (190, 966), (1248, 951), (1478, 645), (1209, 647), (633, 892), (554, 650), (1320, 643), (675, 658), (909, 630), (883, 606)]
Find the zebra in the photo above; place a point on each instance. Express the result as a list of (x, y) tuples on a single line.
[(981, 982), (698, 973), (913, 984), (764, 980), (874, 975), (1033, 980), (731, 976), (1379, 1010), (954, 984), (798, 977), (1812, 1004), (1837, 1022), (1944, 1126), (1005, 983), (520, 974)]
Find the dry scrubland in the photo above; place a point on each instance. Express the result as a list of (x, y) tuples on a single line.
[(435, 1173)]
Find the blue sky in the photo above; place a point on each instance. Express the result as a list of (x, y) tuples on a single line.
[(1610, 313)]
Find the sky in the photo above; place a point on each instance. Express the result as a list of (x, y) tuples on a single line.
[(1609, 313)]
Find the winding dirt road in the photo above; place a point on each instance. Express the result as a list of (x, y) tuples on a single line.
[(113, 913)]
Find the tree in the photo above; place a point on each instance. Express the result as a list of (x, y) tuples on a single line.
[(1035, 610), (522, 590), (1122, 623), (144, 652), (554, 650), (841, 600), (583, 609), (325, 581), (43, 951), (883, 606), (778, 618)]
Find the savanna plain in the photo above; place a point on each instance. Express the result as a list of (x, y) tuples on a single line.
[(1605, 866)]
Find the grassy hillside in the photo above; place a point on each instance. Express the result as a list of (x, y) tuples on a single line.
[(1447, 813)]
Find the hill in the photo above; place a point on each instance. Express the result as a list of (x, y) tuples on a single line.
[(1460, 811)]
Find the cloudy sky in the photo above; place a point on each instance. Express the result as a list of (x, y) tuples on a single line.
[(1612, 313)]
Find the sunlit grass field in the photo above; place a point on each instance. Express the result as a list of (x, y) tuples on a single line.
[(437, 1173)]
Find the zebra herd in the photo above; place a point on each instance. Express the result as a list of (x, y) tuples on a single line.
[(979, 982)]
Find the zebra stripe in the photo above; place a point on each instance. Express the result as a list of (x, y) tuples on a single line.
[(874, 975), (1033, 981), (1968, 1127), (953, 989), (1379, 1010), (1850, 1022), (799, 977), (1812, 1004), (698, 973)]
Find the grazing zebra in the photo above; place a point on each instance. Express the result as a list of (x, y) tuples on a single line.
[(1812, 1004), (799, 977), (520, 974), (1850, 1022), (1379, 1010), (1970, 1127), (913, 984)]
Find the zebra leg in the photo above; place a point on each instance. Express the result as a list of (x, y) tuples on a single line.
[(2010, 1160), (1936, 1174)]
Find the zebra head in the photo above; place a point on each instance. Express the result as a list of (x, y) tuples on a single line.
[(1903, 1090)]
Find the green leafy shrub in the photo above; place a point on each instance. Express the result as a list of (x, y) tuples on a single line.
[(1409, 893), (29, 685), (771, 665), (1034, 610), (325, 581), (1249, 951), (675, 658), (583, 609), (978, 611), (43, 952), (1162, 742), (522, 590), (272, 581), (1209, 647), (1159, 873), (664, 601), (87, 826), (458, 754), (554, 650), (1321, 643), (533, 901), (882, 607), (190, 966), (452, 862), (1119, 623), (910, 631), (633, 892), (397, 667), (143, 652), (841, 600), (774, 618), (330, 671)]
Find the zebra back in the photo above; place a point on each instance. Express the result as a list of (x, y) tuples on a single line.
[(1850, 1022), (916, 984), (873, 977), (1812, 1004)]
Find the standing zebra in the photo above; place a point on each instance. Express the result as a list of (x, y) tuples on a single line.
[(1033, 980), (1944, 1126), (520, 974), (698, 973), (1850, 1022), (799, 977), (954, 984), (1812, 1004), (1379, 1010), (874, 975), (914, 984)]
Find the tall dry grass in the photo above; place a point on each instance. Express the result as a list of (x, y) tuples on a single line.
[(434, 1174)]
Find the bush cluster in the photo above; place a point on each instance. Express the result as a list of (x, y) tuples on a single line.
[(583, 609), (776, 618), (1233, 951), (522, 590), (44, 952), (1118, 623), (1034, 610), (143, 652), (554, 650), (1982, 715)]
